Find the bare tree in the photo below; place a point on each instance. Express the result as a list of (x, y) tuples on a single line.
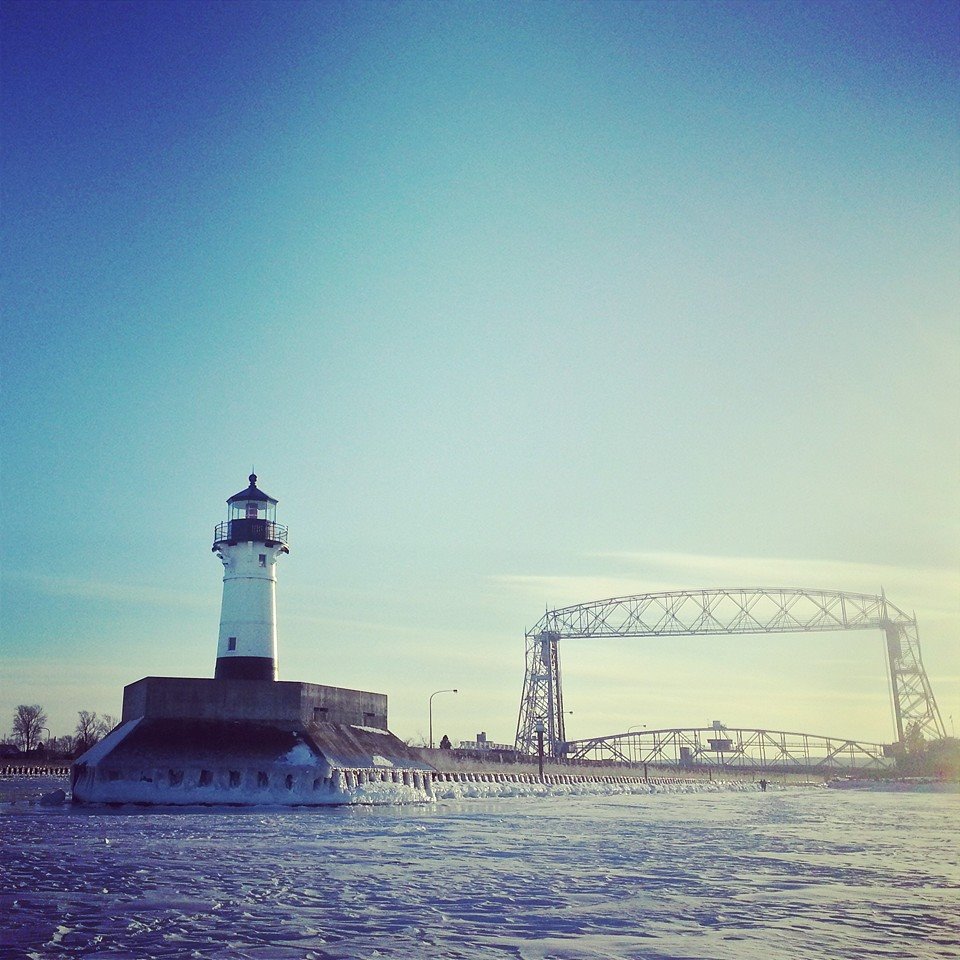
[(28, 725), (105, 724), (61, 745), (87, 730)]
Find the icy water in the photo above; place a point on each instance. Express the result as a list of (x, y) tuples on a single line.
[(801, 873)]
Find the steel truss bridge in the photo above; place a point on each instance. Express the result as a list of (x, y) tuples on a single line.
[(733, 749), (722, 613)]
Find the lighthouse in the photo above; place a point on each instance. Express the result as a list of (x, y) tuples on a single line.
[(227, 740), (249, 543)]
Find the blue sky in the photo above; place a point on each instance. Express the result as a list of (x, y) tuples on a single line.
[(510, 305)]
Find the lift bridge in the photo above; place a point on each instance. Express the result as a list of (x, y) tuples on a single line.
[(725, 612)]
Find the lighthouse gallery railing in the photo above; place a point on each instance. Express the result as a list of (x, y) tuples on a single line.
[(242, 530)]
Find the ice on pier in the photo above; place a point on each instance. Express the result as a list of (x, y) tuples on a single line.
[(489, 788)]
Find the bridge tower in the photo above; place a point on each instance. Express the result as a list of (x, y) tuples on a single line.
[(915, 710), (249, 543), (542, 699)]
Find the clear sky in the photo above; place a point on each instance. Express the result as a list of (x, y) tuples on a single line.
[(511, 305)]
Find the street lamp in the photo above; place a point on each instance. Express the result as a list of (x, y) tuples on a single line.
[(637, 726), (540, 731), (432, 695)]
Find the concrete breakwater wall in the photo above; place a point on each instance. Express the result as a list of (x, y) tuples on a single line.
[(343, 780), (443, 786), (300, 786), (547, 778), (456, 761), (453, 761), (32, 770)]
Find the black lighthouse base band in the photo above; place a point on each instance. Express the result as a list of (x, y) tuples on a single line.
[(245, 668)]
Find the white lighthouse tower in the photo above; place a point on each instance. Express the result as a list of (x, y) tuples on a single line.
[(249, 544)]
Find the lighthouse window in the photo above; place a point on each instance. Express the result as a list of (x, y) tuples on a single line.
[(231, 643), (251, 511), (263, 559)]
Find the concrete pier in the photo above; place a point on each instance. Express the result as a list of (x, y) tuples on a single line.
[(199, 741)]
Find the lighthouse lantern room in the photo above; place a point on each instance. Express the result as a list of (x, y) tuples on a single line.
[(248, 544)]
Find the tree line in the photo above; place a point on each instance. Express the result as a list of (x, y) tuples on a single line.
[(30, 724)]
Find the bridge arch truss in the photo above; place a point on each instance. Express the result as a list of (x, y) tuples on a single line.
[(722, 612), (732, 749)]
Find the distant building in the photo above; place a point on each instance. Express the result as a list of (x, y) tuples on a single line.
[(483, 745)]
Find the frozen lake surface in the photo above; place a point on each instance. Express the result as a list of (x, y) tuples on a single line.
[(734, 876)]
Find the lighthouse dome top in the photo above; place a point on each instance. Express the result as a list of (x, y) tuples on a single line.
[(251, 493)]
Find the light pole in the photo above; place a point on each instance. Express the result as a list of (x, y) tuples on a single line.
[(637, 726), (432, 695), (540, 729), (49, 738)]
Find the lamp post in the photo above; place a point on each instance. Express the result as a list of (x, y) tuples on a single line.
[(432, 695), (49, 738), (540, 729)]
